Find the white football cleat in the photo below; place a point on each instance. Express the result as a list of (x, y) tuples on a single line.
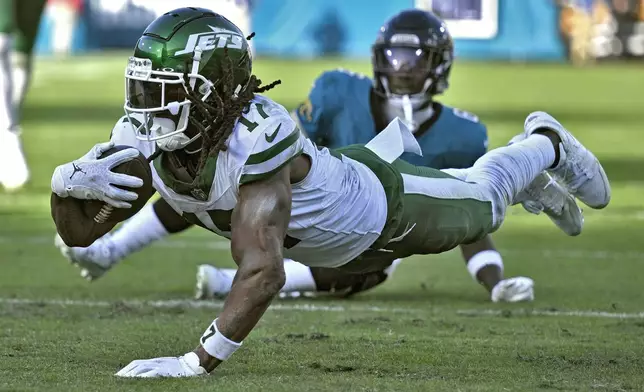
[(94, 261), (14, 172), (519, 289), (544, 194), (578, 169), (212, 282)]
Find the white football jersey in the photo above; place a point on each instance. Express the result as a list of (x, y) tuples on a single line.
[(337, 211)]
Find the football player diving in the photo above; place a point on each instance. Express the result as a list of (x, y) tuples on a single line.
[(234, 162), (412, 59)]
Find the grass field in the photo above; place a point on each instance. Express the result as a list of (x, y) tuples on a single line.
[(428, 329)]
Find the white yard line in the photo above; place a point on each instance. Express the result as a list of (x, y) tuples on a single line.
[(549, 313), (193, 304), (310, 307)]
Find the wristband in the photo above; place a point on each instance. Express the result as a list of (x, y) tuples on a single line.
[(482, 259), (216, 344)]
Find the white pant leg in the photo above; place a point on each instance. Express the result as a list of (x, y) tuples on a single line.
[(7, 111), (504, 172)]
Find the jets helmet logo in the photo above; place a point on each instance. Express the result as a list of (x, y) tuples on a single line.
[(217, 38)]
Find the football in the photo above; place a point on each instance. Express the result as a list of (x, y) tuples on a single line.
[(81, 222)]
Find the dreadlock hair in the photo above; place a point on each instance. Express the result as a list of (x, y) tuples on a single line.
[(222, 108)]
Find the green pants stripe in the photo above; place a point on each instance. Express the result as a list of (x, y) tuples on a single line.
[(440, 212)]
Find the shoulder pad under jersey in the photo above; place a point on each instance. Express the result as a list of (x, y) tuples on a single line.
[(470, 132), (326, 98), (270, 138), (337, 84)]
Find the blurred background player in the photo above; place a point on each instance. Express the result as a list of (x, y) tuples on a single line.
[(412, 59), (19, 20), (64, 15)]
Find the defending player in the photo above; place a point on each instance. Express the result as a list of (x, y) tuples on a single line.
[(346, 108), (235, 163), (19, 22)]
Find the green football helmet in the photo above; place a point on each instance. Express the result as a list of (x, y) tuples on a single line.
[(181, 51)]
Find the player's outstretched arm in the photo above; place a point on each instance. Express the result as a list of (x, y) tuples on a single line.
[(259, 224)]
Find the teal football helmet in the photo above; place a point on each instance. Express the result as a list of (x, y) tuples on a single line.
[(180, 53)]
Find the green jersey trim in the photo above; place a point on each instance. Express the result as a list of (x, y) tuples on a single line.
[(248, 178), (275, 150)]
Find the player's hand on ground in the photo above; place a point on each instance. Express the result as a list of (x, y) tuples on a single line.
[(519, 289), (184, 366), (91, 178)]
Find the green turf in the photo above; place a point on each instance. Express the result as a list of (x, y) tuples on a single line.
[(415, 339)]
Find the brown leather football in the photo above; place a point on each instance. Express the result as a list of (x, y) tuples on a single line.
[(81, 222)]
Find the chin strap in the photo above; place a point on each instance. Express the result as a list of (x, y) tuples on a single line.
[(155, 155), (408, 111)]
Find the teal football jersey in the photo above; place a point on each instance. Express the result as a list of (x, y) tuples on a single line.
[(338, 112)]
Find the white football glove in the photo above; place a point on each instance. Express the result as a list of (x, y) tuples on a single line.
[(91, 178), (184, 366), (519, 289)]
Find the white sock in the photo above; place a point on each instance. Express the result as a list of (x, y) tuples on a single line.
[(531, 157), (7, 111), (21, 66), (390, 270), (298, 277), (221, 280), (137, 232), (506, 171)]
